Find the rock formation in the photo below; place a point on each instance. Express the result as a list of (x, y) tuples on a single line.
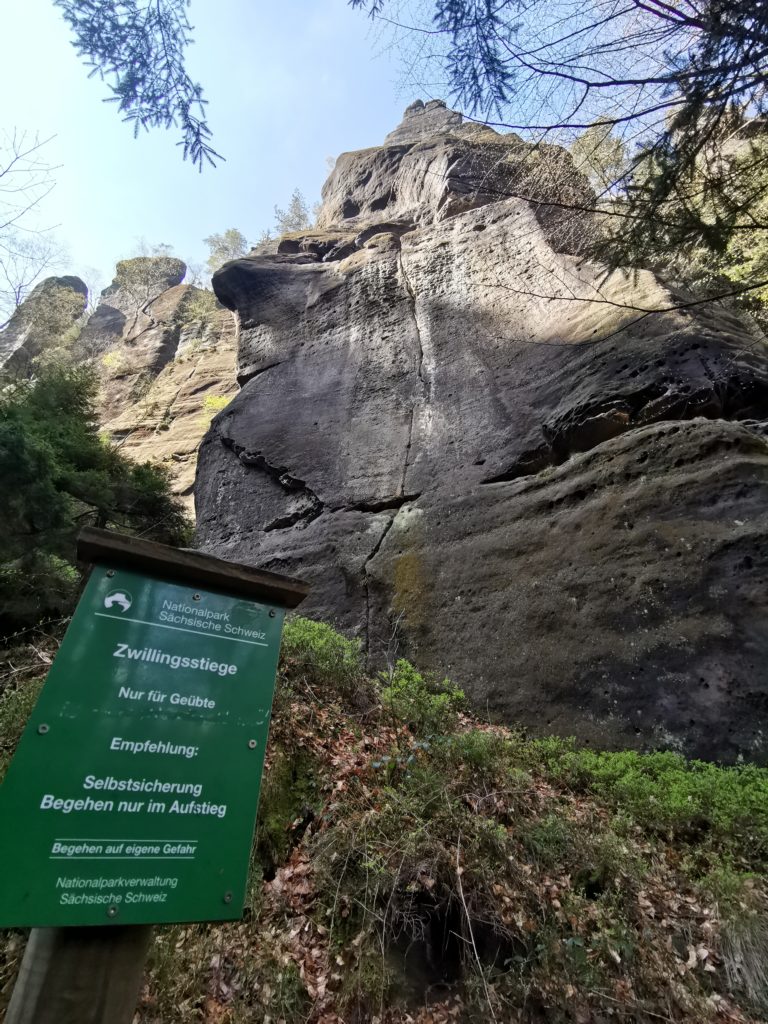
[(159, 363), (166, 359), (171, 411), (50, 311), (123, 313), (541, 477)]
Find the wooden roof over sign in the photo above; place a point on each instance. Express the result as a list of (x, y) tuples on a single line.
[(185, 566)]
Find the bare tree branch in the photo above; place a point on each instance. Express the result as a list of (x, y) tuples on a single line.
[(27, 249)]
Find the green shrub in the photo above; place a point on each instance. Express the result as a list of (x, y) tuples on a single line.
[(142, 385), (372, 987), (661, 791), (58, 475), (427, 706), (117, 363), (315, 654), (479, 757), (288, 792), (743, 930), (727, 886), (215, 403), (15, 708), (200, 307), (39, 581), (548, 839), (486, 753), (212, 405)]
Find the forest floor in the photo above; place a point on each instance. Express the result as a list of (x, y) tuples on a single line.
[(412, 863)]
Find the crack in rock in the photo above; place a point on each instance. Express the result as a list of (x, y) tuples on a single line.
[(426, 388), (367, 585), (246, 378), (377, 505), (372, 507), (586, 429), (289, 483)]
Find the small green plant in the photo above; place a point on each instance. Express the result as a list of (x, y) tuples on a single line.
[(212, 405), (116, 363), (705, 804), (288, 795), (549, 839), (486, 753), (141, 386), (727, 886), (369, 989), (427, 706), (200, 307), (284, 993), (166, 419), (315, 654), (743, 930), (215, 403)]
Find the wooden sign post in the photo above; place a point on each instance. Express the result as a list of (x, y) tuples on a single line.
[(132, 798)]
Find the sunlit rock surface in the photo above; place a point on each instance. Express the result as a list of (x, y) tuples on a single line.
[(543, 478), (49, 313)]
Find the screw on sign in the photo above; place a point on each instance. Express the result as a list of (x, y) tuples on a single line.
[(132, 798)]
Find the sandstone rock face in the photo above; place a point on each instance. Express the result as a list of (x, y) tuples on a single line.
[(543, 478), (163, 372), (51, 309), (421, 120), (123, 314), (423, 176), (170, 412)]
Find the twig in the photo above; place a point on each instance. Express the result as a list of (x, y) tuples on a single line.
[(621, 1002), (469, 926)]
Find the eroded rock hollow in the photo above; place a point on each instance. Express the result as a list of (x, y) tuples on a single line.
[(540, 477)]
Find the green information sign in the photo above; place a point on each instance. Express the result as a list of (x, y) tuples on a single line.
[(132, 797)]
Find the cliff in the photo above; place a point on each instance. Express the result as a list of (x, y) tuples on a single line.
[(164, 367), (542, 477), (163, 352), (51, 311)]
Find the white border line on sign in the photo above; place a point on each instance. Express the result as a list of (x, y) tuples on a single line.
[(107, 857), (66, 839), (180, 629)]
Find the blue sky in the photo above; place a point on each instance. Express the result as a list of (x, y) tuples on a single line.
[(289, 84)]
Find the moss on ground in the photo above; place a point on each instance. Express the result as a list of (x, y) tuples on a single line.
[(288, 803)]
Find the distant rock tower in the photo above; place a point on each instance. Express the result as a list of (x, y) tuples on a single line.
[(50, 310)]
